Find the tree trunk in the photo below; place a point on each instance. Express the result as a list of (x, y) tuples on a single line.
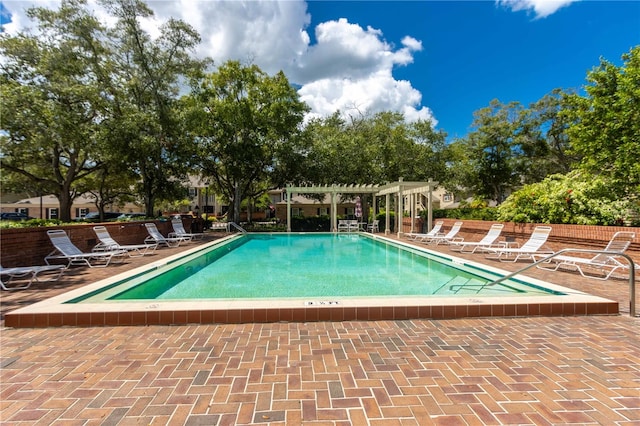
[(66, 201)]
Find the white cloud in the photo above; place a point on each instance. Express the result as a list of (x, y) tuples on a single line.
[(542, 8), (347, 67)]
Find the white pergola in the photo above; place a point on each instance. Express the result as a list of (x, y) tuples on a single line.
[(399, 189)]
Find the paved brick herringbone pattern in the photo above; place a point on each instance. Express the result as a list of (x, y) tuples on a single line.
[(519, 371), (580, 370)]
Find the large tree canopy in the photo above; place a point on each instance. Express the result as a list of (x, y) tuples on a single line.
[(147, 130), (606, 132), (248, 125), (52, 105)]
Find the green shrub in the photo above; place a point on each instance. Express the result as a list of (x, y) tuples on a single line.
[(311, 224), (571, 199), (31, 223), (471, 213)]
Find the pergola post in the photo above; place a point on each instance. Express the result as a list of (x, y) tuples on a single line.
[(334, 212), (400, 212), (288, 210), (387, 221), (430, 206)]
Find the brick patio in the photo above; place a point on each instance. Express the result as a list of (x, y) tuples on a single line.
[(542, 370)]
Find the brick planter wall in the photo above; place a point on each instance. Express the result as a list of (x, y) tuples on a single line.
[(29, 246)]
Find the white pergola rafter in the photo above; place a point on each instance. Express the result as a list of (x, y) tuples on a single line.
[(400, 189)]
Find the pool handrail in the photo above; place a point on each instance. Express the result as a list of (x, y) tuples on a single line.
[(632, 272), (238, 227)]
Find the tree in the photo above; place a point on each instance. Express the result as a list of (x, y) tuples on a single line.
[(376, 149), (248, 128), (490, 151), (606, 128), (52, 105), (147, 128), (542, 139)]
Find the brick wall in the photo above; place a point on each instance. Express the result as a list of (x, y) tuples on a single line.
[(29, 246)]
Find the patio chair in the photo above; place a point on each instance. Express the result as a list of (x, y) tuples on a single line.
[(601, 266), (343, 225), (29, 273), (533, 246), (67, 251), (488, 241), (156, 237), (352, 226), (416, 236), (179, 231), (108, 243), (373, 226), (447, 238)]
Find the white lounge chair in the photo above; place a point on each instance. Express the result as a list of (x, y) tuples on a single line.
[(343, 226), (601, 266), (179, 231), (222, 226), (67, 251), (29, 273), (108, 243), (533, 246), (488, 241), (156, 237), (419, 235), (447, 238), (353, 225)]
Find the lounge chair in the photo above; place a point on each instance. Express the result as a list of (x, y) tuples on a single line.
[(447, 238), (488, 241), (30, 273), (156, 237), (533, 246), (420, 235), (601, 266), (343, 226), (223, 226), (179, 231), (108, 243), (67, 251)]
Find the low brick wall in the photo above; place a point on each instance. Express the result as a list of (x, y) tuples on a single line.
[(562, 236), (29, 246)]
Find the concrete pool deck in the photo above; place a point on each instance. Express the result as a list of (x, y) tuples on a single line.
[(521, 370)]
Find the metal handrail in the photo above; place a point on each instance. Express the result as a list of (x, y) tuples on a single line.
[(238, 227), (632, 271)]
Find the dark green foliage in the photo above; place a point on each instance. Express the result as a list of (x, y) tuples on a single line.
[(486, 213)]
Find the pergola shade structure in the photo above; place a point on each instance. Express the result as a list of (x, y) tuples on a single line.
[(399, 189)]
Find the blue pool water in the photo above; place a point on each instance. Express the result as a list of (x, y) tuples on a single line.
[(309, 266)]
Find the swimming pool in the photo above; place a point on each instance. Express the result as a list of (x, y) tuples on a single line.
[(310, 266), (124, 300)]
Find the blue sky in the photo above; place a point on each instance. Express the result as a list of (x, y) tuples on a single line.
[(476, 51), (430, 60)]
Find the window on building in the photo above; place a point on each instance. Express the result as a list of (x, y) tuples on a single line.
[(81, 212), (323, 211), (192, 193), (296, 211), (52, 213), (447, 198)]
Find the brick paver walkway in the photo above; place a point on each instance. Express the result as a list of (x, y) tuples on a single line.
[(519, 371)]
